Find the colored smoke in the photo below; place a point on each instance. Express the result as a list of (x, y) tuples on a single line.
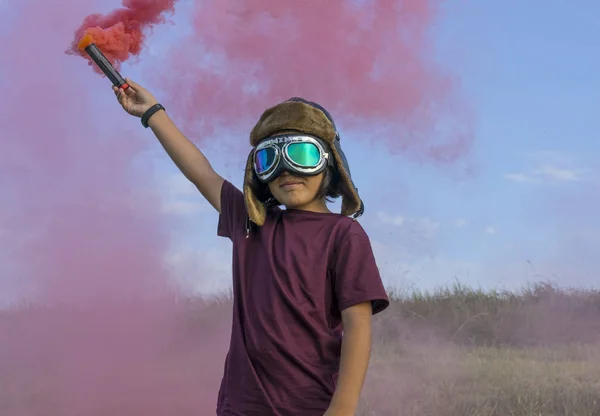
[(370, 64), (83, 238), (120, 34), (81, 227)]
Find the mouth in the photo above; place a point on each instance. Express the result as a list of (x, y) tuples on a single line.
[(290, 184)]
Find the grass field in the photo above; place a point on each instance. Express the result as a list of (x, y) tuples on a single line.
[(453, 352), (470, 353)]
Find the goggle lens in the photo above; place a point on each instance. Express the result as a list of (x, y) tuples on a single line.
[(264, 159), (304, 154)]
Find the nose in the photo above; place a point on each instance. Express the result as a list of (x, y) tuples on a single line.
[(284, 174)]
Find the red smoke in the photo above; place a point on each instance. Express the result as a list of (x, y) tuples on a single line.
[(120, 34), (370, 64), (79, 221), (85, 239)]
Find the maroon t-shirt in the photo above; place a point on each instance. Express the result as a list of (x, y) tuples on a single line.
[(292, 278)]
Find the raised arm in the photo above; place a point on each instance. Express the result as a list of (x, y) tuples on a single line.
[(136, 100)]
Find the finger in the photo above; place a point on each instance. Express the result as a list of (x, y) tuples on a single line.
[(132, 84)]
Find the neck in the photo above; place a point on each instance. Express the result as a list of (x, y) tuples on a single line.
[(318, 205)]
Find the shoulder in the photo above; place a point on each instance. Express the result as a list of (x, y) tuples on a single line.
[(351, 233), (230, 190), (351, 228), (232, 216)]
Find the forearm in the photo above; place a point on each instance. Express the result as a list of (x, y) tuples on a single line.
[(188, 158), (354, 361)]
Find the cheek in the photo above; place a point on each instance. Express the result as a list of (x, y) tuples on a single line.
[(313, 184), (275, 191)]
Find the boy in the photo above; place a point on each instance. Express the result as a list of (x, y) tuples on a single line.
[(300, 275)]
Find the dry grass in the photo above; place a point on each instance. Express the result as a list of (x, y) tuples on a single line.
[(538, 315), (484, 381), (463, 352), (455, 352)]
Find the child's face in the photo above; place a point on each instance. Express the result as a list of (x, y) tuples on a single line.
[(297, 192)]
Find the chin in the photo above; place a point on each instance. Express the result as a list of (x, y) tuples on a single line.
[(293, 198), (291, 203)]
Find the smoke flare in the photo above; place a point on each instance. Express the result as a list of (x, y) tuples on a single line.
[(120, 34)]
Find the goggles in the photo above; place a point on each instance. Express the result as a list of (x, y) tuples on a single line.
[(300, 154)]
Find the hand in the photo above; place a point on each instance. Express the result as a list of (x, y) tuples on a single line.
[(135, 100), (333, 411)]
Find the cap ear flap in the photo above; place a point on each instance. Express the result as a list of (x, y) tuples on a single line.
[(351, 202), (256, 209)]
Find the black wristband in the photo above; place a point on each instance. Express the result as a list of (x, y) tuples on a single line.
[(149, 113)]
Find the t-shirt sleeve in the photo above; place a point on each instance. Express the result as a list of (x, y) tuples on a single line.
[(357, 277), (232, 219)]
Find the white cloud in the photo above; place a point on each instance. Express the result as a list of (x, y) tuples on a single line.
[(551, 167), (460, 223), (178, 184), (181, 197), (491, 230), (184, 207), (548, 173), (558, 174), (424, 227), (385, 218), (520, 177), (427, 227)]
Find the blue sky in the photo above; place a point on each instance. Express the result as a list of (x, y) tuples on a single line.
[(531, 73), (524, 210)]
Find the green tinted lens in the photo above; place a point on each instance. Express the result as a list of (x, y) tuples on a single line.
[(304, 154)]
